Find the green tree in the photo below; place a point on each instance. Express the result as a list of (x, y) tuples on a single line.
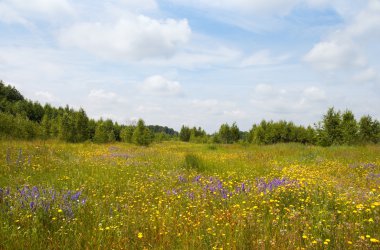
[(101, 133), (234, 133), (67, 127), (81, 126), (185, 134), (225, 133), (126, 133), (349, 128), (366, 129), (142, 135), (330, 131)]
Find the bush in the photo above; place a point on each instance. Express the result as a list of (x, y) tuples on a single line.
[(193, 162)]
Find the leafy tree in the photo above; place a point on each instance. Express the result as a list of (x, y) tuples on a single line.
[(366, 129), (101, 134), (330, 131), (349, 128), (142, 135), (81, 126), (225, 133), (126, 133), (234, 133), (67, 130), (184, 134)]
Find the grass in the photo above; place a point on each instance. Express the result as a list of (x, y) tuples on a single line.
[(188, 196)]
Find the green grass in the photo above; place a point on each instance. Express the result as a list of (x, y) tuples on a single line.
[(188, 196)]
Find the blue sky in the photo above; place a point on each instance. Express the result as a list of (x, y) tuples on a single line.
[(195, 62)]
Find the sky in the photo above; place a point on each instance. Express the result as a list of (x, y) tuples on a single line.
[(195, 62)]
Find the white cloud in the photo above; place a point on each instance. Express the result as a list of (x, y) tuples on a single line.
[(45, 96), (139, 5), (133, 37), (366, 75), (102, 94), (21, 11), (314, 94), (41, 6), (245, 6), (148, 109), (350, 48), (295, 100), (334, 55), (9, 15), (263, 58), (236, 113), (198, 57), (208, 104), (160, 85)]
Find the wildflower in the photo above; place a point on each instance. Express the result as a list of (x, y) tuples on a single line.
[(373, 240), (139, 235), (60, 211)]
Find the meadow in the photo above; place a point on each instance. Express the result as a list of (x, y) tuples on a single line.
[(174, 195)]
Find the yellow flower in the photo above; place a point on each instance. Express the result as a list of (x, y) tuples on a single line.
[(373, 240), (139, 235), (60, 211)]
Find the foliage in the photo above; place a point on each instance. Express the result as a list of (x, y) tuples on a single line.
[(142, 135)]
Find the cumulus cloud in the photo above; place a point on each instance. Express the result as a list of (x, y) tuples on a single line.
[(349, 48), (160, 85), (132, 37), (334, 55)]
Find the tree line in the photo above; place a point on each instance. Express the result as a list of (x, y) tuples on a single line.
[(24, 119)]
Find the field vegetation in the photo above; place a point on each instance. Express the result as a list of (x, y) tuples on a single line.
[(175, 195)]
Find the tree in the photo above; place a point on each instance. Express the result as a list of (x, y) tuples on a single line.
[(126, 134), (366, 129), (225, 133), (330, 130), (234, 133), (67, 128), (101, 133), (349, 128), (184, 134), (142, 135), (81, 126)]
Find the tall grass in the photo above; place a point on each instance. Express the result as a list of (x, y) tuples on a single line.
[(186, 196)]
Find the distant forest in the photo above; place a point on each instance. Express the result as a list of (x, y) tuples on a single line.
[(21, 118)]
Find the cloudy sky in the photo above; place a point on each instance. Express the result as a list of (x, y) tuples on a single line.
[(195, 62)]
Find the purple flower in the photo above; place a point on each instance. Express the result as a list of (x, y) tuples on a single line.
[(76, 196), (32, 205)]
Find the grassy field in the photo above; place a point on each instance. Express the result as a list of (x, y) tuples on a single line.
[(188, 196)]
